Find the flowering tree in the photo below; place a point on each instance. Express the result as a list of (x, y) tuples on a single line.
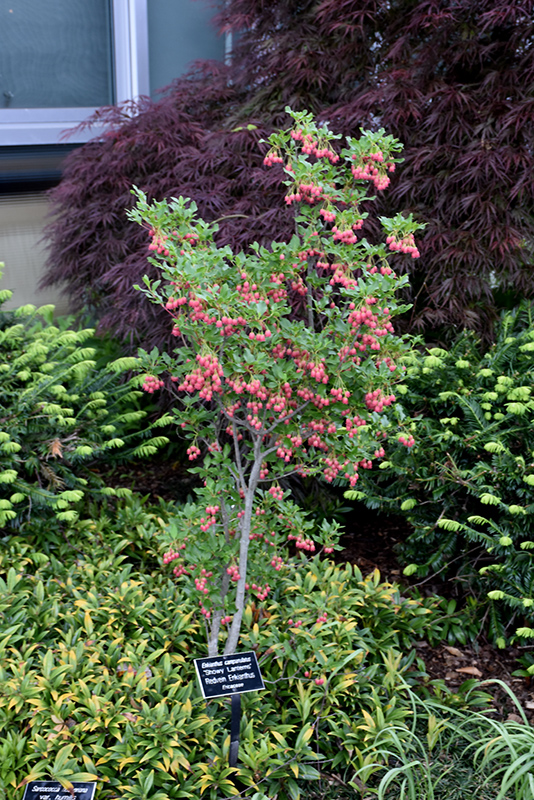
[(284, 364)]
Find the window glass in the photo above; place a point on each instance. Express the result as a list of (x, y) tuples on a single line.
[(55, 53), (179, 32)]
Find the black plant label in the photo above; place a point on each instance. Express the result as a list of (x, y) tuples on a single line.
[(223, 675), (53, 790)]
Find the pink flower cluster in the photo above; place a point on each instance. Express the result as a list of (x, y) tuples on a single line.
[(277, 492), (233, 572), (354, 423), (272, 157), (172, 555), (206, 379), (340, 395), (279, 294), (327, 214), (200, 583), (277, 562), (407, 441), (301, 543), (204, 611), (332, 468), (322, 425), (260, 337), (261, 591), (344, 236), (305, 193), (343, 276), (158, 242), (193, 452), (382, 270), (367, 171), (365, 316), (151, 384), (319, 373), (313, 148), (285, 453), (175, 302), (248, 291), (377, 400), (211, 519), (405, 245)]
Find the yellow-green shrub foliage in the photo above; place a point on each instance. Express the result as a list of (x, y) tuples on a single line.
[(97, 677)]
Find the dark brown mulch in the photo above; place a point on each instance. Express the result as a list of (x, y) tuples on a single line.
[(369, 543), (169, 480)]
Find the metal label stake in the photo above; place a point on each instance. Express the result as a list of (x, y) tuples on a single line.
[(234, 730), (223, 676)]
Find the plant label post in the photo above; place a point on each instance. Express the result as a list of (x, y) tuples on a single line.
[(220, 676), (53, 790)]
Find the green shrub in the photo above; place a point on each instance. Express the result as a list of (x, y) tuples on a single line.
[(468, 485), (97, 676), (60, 414)]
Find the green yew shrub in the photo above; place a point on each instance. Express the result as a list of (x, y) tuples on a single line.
[(467, 487), (60, 415)]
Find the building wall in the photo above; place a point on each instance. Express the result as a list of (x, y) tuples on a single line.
[(22, 219)]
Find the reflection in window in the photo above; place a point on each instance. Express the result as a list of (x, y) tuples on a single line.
[(56, 53)]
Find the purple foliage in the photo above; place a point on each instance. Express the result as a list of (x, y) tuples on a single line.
[(452, 79)]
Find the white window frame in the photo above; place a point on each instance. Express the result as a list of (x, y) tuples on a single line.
[(33, 126)]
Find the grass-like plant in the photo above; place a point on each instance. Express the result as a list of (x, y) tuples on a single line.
[(446, 753)]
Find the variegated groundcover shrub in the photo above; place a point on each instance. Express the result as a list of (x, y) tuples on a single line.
[(467, 487), (61, 413), (97, 679)]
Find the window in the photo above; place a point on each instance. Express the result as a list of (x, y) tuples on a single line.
[(62, 59)]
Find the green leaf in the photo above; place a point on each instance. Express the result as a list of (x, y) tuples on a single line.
[(114, 443), (525, 632), (494, 447), (516, 408), (489, 499), (450, 524), (124, 363), (515, 509), (8, 476)]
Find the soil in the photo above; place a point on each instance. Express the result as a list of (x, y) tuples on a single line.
[(369, 543)]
